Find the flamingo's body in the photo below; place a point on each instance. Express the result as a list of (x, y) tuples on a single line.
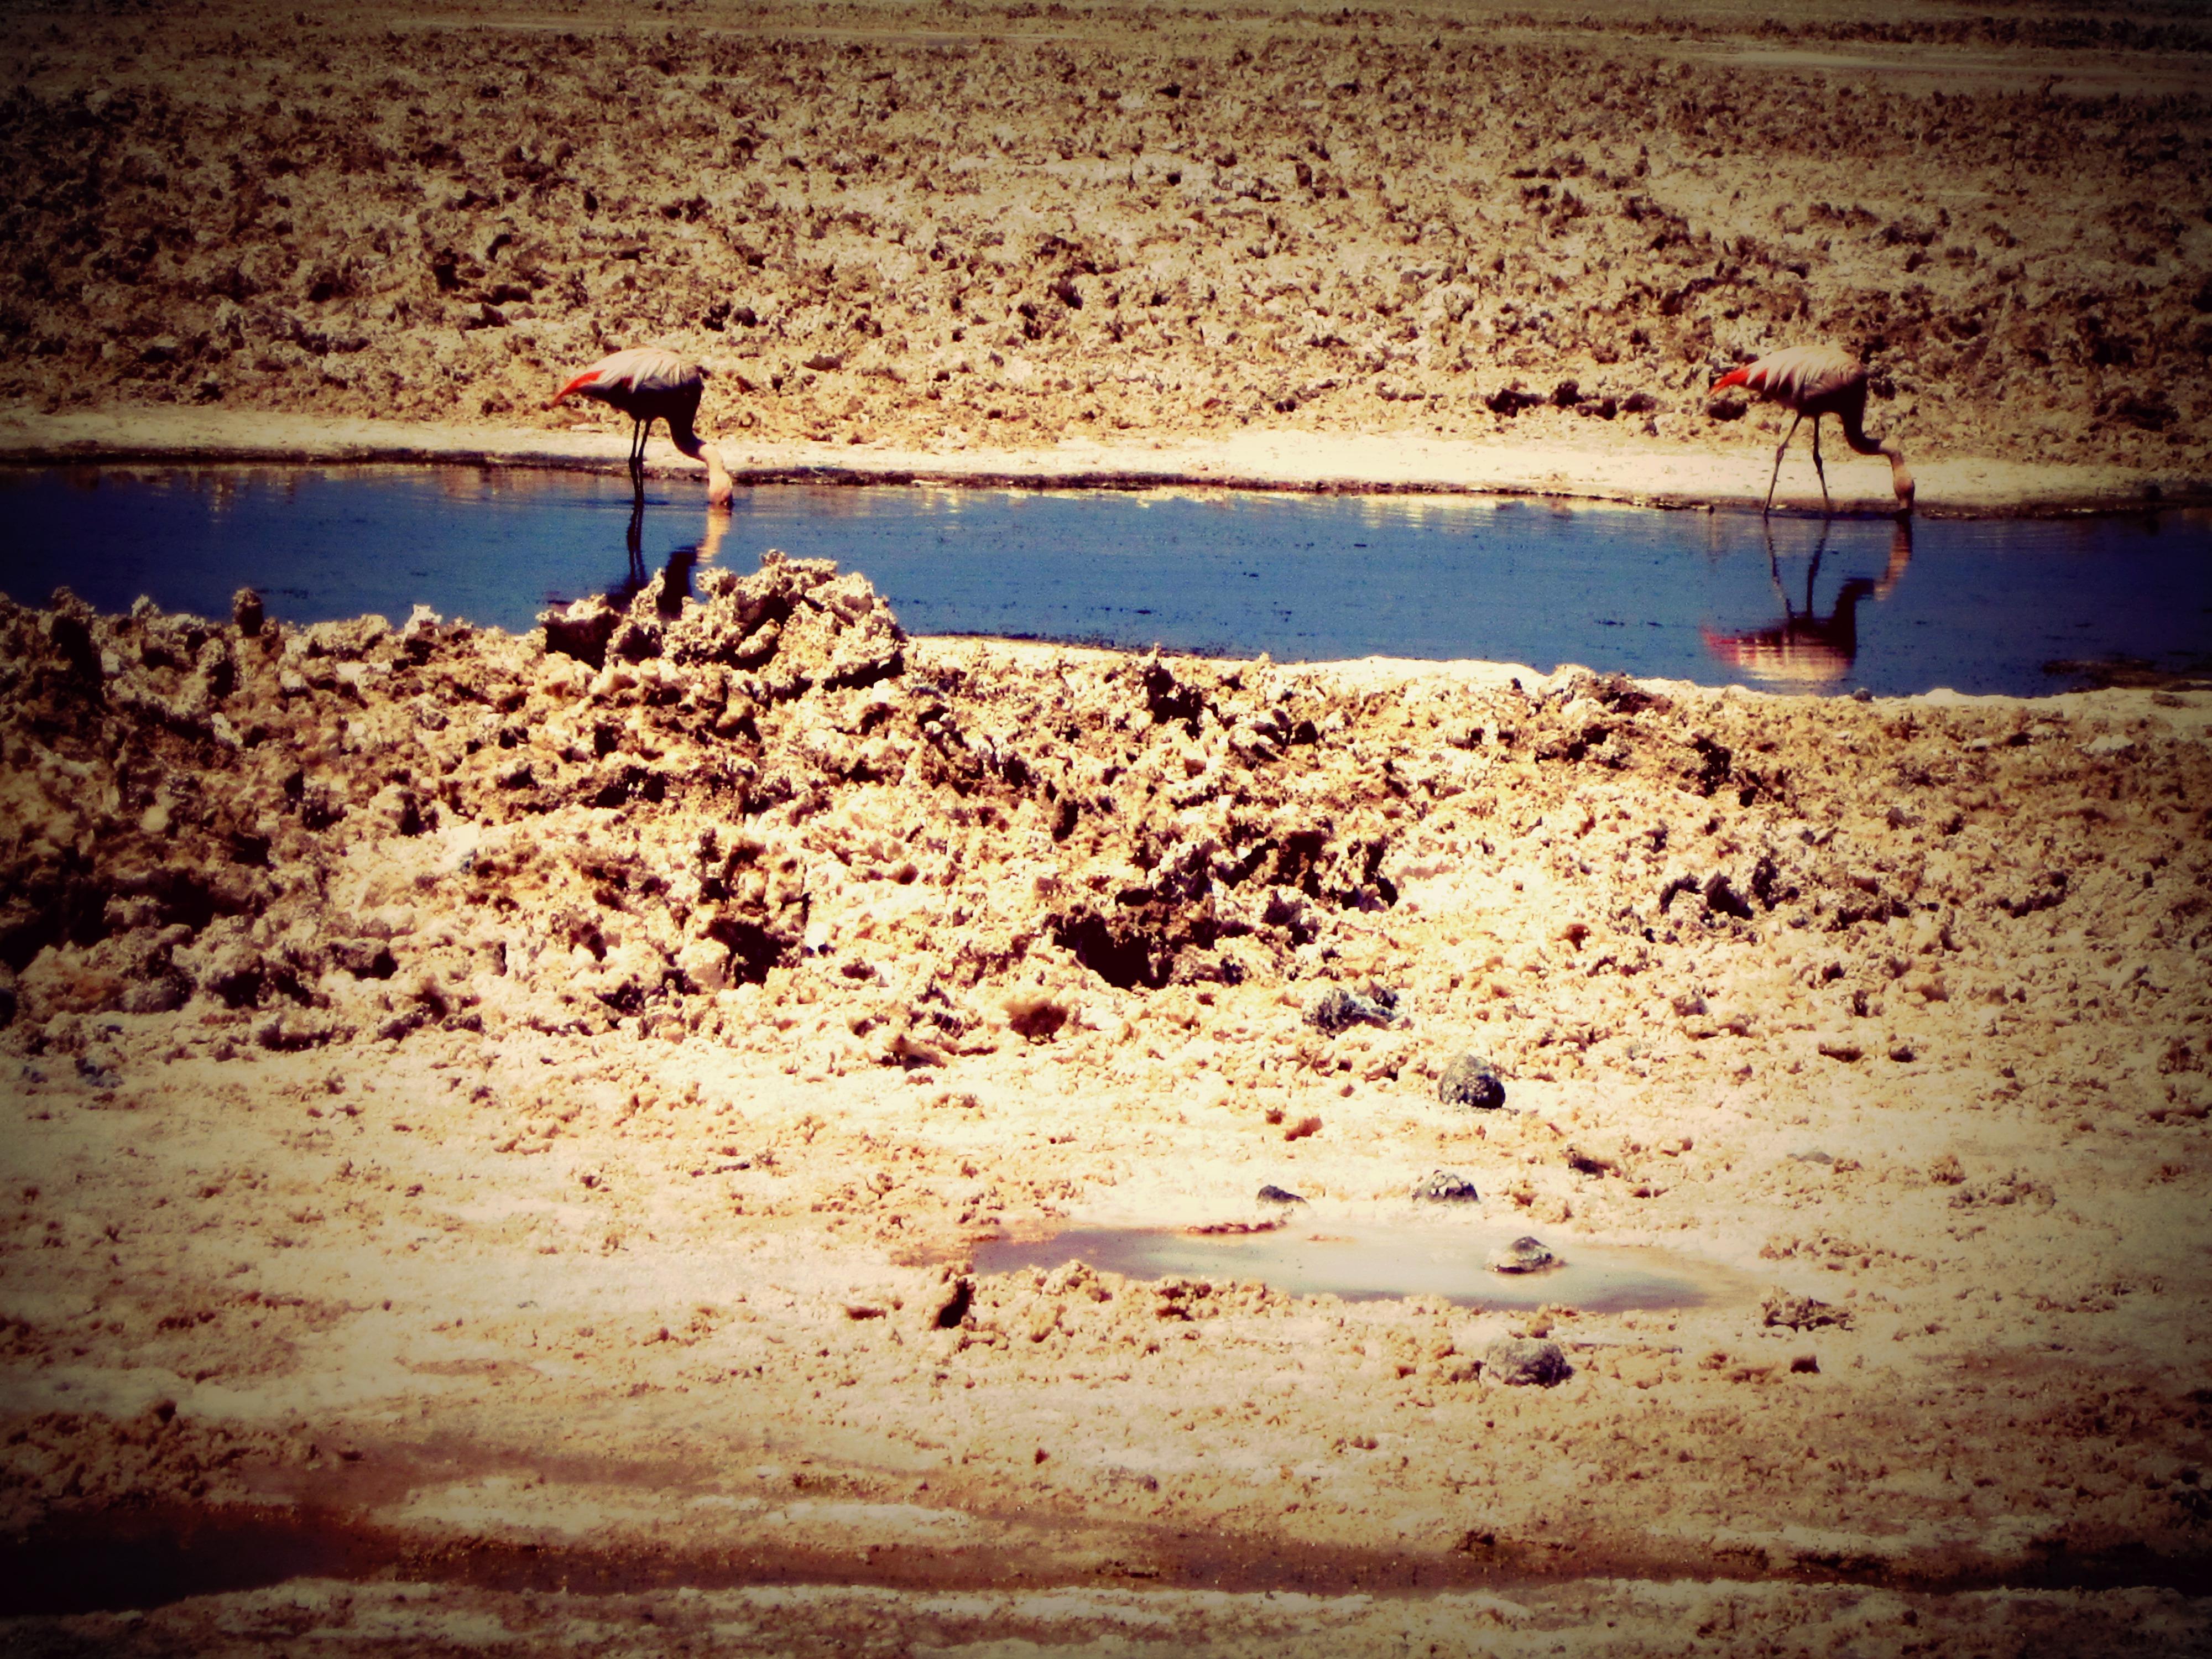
[(1818, 380), (649, 383)]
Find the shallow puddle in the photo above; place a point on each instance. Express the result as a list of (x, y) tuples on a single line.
[(1373, 1260), (1987, 605)]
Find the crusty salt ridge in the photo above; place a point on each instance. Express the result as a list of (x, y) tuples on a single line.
[(528, 1104)]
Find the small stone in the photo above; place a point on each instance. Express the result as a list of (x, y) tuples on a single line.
[(1446, 1187), (1338, 1009), (1590, 1164), (1722, 900), (1519, 1361), (1471, 1082), (1525, 1254), (1271, 1194), (98, 1076), (1800, 1313), (158, 996), (245, 610)]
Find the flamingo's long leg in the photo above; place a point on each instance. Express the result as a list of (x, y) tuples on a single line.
[(1780, 450), (640, 430), (1826, 506)]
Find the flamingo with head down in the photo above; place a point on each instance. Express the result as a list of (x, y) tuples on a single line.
[(648, 384), (1818, 380)]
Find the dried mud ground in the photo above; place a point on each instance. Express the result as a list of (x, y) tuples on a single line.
[(498, 1144)]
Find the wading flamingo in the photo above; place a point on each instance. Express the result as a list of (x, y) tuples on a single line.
[(1817, 380), (648, 384)]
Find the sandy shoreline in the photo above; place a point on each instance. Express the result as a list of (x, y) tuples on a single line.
[(1624, 471)]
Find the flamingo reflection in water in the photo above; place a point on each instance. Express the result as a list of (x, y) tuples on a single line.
[(1806, 648), (586, 629), (676, 577)]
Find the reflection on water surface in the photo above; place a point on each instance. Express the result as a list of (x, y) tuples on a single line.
[(1805, 650), (1979, 605)]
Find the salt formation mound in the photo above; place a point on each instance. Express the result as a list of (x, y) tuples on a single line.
[(354, 829)]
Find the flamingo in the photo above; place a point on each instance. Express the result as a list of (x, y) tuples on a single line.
[(1817, 380), (648, 384)]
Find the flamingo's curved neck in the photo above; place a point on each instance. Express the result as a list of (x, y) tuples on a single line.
[(718, 476), (719, 487), (1852, 418)]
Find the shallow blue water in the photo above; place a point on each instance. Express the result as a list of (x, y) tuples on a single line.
[(1977, 606)]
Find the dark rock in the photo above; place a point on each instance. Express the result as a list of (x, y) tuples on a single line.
[(1169, 699), (1338, 1009), (2153, 413), (1471, 1082), (1445, 1186), (245, 610), (1271, 1194), (956, 1306), (1525, 1254), (1590, 1164), (1722, 900), (1801, 1313), (1519, 1361)]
